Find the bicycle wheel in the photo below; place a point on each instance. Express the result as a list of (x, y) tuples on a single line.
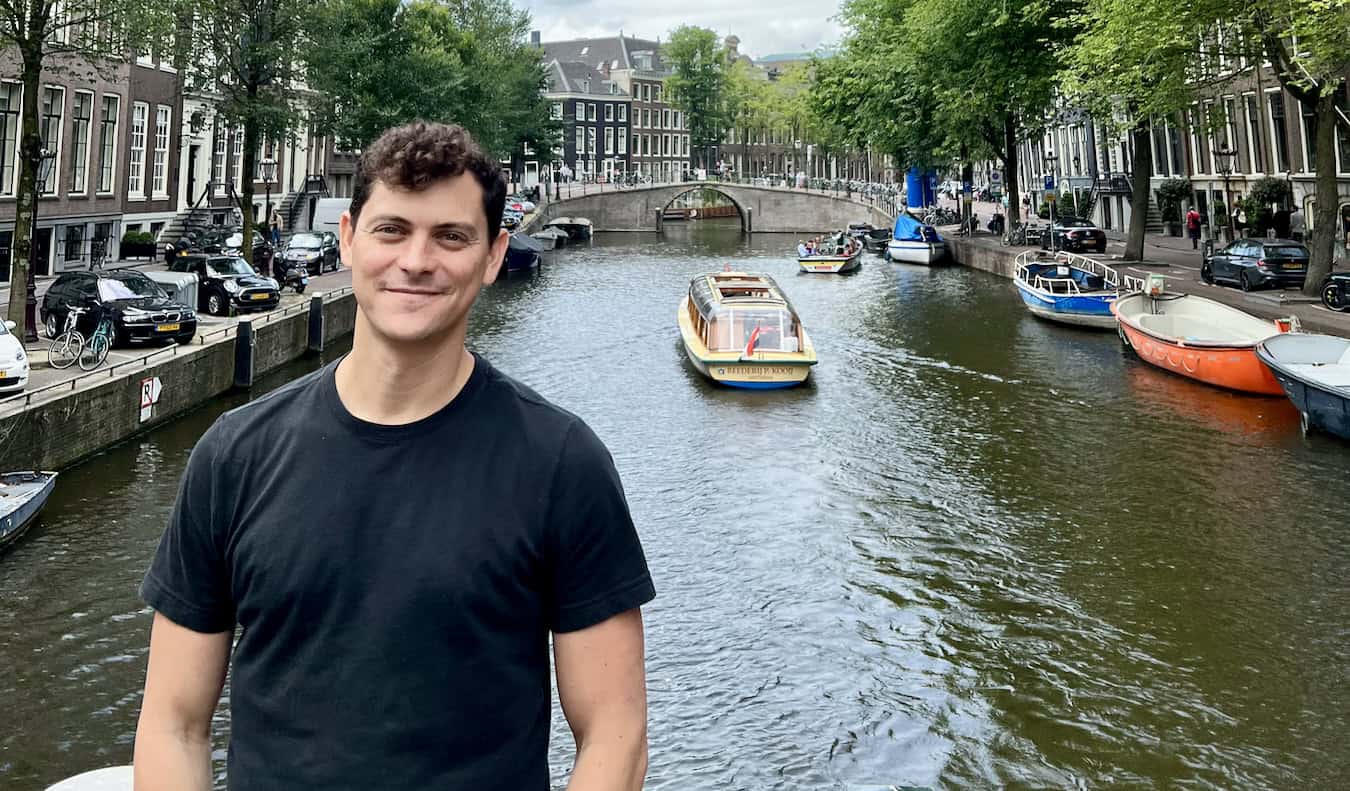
[(66, 349), (95, 351)]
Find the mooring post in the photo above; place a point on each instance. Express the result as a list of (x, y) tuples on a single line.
[(749, 219), (660, 220), (316, 324), (244, 342)]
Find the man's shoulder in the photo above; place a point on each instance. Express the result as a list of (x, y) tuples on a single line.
[(550, 429), (276, 411)]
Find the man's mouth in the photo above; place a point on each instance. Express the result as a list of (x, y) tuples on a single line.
[(421, 292)]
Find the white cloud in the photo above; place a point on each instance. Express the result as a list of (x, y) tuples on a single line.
[(763, 27)]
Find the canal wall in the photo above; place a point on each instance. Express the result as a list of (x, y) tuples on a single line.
[(60, 427)]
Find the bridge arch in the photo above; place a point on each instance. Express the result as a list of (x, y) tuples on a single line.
[(741, 211)]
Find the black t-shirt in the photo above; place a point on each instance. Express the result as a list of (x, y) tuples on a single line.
[(396, 585)]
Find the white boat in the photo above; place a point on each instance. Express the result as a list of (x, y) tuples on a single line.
[(1314, 371), (22, 495), (832, 254), (575, 227), (912, 242)]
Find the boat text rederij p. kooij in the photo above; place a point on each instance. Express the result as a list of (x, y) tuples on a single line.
[(740, 330)]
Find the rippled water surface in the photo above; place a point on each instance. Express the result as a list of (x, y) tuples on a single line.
[(976, 550)]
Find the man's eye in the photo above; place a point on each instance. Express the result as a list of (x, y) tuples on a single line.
[(455, 237), (387, 229)]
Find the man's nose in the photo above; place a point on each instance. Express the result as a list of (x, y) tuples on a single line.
[(418, 253)]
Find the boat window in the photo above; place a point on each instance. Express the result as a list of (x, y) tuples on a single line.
[(731, 331)]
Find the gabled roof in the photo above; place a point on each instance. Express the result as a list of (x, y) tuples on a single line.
[(572, 77), (614, 51)]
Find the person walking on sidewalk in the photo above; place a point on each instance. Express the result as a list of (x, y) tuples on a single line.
[(396, 537), (1193, 227)]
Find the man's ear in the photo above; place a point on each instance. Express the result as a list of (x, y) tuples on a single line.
[(346, 233), (496, 253)]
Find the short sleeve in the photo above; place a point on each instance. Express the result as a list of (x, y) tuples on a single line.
[(188, 580), (598, 569)]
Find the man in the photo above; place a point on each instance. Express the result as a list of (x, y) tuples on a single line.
[(1193, 227), (397, 535)]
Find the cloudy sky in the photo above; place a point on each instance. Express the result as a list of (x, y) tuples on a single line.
[(764, 26)]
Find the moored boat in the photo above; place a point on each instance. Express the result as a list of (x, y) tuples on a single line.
[(1199, 338), (740, 330), (1071, 289), (1314, 371), (522, 253), (22, 496), (550, 238), (875, 240), (912, 242), (576, 228), (830, 254)]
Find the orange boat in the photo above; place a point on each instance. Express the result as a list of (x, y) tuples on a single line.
[(1199, 338)]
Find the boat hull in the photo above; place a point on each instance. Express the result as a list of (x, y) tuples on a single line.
[(915, 252), (1323, 407), (831, 264), (1081, 310), (32, 491), (750, 374), (1231, 367)]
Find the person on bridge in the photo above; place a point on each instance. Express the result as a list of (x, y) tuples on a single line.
[(397, 536)]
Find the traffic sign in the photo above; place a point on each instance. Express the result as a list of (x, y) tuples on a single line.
[(150, 391), (995, 177), (1049, 182)]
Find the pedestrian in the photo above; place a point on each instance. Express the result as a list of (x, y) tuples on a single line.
[(1193, 227), (1240, 221), (437, 522), (274, 223)]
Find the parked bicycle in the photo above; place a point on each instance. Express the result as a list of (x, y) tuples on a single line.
[(67, 346), (96, 346)]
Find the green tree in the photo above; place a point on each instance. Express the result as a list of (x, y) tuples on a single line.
[(698, 85), (54, 37)]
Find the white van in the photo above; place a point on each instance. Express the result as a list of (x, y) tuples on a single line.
[(328, 212)]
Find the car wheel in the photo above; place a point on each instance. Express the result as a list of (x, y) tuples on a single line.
[(1333, 297), (1207, 274), (1245, 282), (53, 328), (1101, 248), (215, 305)]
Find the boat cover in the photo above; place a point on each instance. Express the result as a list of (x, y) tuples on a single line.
[(908, 229)]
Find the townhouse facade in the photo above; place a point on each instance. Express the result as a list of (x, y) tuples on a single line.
[(595, 115)]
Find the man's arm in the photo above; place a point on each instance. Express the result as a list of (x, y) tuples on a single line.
[(182, 687), (602, 685)]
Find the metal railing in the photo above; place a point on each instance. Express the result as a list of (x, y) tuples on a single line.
[(1115, 280), (881, 196)]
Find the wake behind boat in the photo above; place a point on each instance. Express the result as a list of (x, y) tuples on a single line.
[(1314, 371), (1071, 289), (22, 496), (912, 242), (740, 330), (834, 253)]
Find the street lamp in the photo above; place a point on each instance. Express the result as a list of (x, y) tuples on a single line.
[(1050, 159), (45, 160), (269, 172), (1225, 156)]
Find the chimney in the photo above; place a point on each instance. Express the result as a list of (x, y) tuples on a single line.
[(534, 39)]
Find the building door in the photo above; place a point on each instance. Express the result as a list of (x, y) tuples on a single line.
[(43, 242), (6, 242), (1106, 214), (192, 174)]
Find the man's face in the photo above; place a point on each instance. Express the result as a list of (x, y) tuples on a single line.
[(419, 259)]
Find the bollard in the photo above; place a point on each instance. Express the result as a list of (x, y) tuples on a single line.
[(316, 324), (244, 342), (660, 220), (749, 219)]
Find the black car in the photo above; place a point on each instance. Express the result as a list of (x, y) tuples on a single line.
[(1258, 263), (140, 310), (227, 281), (1075, 235), (317, 251), (262, 249)]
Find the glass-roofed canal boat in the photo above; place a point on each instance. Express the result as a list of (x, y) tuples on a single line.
[(741, 331)]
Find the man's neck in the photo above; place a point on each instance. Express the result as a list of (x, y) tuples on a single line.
[(382, 384)]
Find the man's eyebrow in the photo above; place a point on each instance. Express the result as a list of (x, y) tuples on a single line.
[(466, 228)]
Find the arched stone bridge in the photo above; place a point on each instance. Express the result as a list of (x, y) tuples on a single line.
[(764, 209)]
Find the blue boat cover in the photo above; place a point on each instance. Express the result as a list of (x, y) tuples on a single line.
[(908, 229)]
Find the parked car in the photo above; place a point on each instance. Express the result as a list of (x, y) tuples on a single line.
[(140, 310), (262, 249), (1258, 263), (226, 282), (1075, 235), (13, 361), (511, 219), (520, 204), (318, 252)]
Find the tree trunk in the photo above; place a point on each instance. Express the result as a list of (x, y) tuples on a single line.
[(1141, 173), (251, 137), (24, 205), (1010, 179), (1325, 220)]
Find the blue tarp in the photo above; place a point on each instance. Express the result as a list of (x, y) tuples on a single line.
[(908, 229)]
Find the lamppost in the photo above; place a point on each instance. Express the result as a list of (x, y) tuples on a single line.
[(45, 160), (1050, 159), (269, 172), (1225, 156)]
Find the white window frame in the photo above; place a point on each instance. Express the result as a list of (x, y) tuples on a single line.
[(623, 113), (140, 114), (590, 142), (1274, 138), (609, 141), (8, 186), (590, 111), (1192, 127), (581, 111), (622, 139), (76, 166), (237, 157), (556, 111), (220, 150), (609, 112), (580, 140), (1303, 138), (114, 155), (55, 175), (159, 179), (1255, 167)]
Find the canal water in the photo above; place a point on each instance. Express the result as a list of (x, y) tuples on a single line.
[(976, 550)]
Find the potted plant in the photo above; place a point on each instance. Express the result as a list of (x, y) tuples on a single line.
[(138, 244), (1171, 194)]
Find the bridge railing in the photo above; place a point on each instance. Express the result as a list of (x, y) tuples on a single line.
[(884, 197)]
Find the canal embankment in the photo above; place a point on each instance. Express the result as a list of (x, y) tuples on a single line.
[(56, 426), (984, 252)]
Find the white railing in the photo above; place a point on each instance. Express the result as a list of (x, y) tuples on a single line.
[(1113, 279)]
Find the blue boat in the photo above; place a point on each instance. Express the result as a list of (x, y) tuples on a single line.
[(522, 254), (1071, 289), (22, 495), (1314, 371), (912, 242)]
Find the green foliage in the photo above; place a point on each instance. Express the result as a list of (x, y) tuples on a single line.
[(1171, 194), (1269, 190), (698, 85), (137, 238)]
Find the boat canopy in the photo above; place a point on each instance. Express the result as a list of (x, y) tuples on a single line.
[(908, 229), (719, 292)]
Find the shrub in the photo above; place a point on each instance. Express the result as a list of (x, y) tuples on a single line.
[(1269, 190), (1171, 194)]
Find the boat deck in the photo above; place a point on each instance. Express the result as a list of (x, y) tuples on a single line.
[(16, 487)]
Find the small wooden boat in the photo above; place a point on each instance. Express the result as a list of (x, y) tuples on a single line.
[(740, 330), (576, 228), (875, 240), (1071, 289), (1314, 371), (1196, 337), (522, 254), (913, 242), (22, 495), (831, 254), (550, 238)]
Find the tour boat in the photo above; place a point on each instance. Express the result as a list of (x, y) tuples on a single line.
[(912, 242), (1314, 371), (1071, 289), (22, 495), (741, 331), (1196, 337), (575, 227), (832, 254)]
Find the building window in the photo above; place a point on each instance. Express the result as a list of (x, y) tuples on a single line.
[(590, 111), (159, 178), (686, 145), (581, 111), (218, 156), (656, 94), (609, 140), (637, 146), (665, 145), (82, 114), (237, 156), (581, 140), (1279, 132), (555, 111), (623, 142), (665, 120), (1309, 122), (646, 92), (74, 242), (1255, 161), (623, 112), (107, 143), (1342, 135), (53, 111), (609, 111), (590, 140), (136, 168), (10, 102)]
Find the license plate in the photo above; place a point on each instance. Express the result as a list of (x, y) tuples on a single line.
[(166, 327), (1293, 264), (4, 374), (257, 296)]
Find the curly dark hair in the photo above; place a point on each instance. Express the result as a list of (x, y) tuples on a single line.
[(418, 154)]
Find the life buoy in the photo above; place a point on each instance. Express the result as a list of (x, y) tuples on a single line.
[(693, 214)]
